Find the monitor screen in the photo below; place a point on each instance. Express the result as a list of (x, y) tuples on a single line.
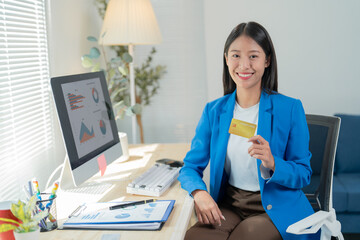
[(86, 117)]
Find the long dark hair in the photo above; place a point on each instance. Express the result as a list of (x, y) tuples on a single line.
[(258, 33)]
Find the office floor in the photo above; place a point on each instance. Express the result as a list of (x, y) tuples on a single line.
[(352, 236)]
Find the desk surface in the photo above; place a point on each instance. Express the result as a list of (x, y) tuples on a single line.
[(141, 158)]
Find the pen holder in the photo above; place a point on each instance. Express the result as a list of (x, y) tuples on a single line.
[(47, 203)]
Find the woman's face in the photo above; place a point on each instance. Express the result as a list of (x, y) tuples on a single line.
[(246, 61)]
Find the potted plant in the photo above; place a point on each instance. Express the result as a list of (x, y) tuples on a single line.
[(28, 225), (117, 70)]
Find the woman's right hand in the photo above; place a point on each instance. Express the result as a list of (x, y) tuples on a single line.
[(206, 208)]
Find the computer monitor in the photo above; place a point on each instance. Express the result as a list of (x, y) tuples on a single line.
[(88, 126)]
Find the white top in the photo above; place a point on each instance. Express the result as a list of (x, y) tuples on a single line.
[(239, 165)]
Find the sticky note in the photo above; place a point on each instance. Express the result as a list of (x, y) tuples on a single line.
[(102, 164), (241, 128)]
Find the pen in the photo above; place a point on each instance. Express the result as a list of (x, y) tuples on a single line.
[(37, 192), (36, 186), (53, 194), (131, 204), (30, 189)]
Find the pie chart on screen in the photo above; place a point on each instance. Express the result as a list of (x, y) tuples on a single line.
[(102, 127), (95, 95)]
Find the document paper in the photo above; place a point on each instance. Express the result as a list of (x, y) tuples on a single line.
[(99, 213)]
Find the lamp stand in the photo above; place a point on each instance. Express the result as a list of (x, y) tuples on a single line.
[(132, 91)]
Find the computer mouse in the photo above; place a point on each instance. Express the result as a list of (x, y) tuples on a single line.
[(170, 162)]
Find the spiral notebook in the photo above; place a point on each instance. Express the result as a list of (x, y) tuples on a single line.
[(149, 216)]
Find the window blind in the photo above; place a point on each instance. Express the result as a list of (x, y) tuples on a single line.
[(25, 120)]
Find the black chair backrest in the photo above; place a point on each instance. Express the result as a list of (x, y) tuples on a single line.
[(324, 133)]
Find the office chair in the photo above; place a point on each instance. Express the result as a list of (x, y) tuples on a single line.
[(324, 133)]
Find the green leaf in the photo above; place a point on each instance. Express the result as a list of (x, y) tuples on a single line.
[(113, 94), (94, 52), (92, 39), (9, 220), (86, 62), (40, 216), (127, 57), (18, 210), (136, 109), (129, 112), (119, 104), (21, 212), (123, 80), (123, 71), (29, 225), (127, 100), (121, 113), (96, 68), (112, 73), (7, 227), (30, 206), (115, 59)]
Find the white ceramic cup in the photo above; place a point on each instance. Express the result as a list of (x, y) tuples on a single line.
[(124, 146)]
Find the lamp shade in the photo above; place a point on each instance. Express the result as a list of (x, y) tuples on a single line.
[(129, 22)]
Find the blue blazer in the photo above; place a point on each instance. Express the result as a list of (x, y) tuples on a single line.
[(282, 123)]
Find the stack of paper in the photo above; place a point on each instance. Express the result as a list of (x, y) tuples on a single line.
[(149, 216)]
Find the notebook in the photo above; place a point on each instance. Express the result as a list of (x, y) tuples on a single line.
[(149, 216)]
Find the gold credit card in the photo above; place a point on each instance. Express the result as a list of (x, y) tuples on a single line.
[(241, 128)]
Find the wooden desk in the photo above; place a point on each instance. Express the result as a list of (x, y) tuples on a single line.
[(141, 158)]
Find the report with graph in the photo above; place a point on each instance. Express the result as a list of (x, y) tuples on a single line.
[(149, 216), (87, 113)]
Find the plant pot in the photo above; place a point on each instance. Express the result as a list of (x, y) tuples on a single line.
[(27, 235)]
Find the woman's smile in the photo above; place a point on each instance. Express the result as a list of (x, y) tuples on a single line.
[(245, 76)]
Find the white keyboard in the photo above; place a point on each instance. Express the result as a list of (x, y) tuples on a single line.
[(155, 181), (91, 188)]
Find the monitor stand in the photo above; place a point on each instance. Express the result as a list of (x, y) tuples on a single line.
[(67, 183), (66, 178), (70, 196)]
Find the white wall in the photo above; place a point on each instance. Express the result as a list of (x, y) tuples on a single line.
[(316, 42), (70, 23)]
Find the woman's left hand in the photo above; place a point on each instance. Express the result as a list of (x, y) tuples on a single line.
[(260, 149)]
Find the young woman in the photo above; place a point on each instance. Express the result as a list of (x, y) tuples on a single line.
[(257, 142)]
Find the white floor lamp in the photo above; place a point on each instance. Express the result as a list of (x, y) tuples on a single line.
[(130, 22)]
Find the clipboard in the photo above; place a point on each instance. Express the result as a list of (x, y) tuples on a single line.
[(97, 216)]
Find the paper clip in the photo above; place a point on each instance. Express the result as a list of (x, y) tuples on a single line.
[(77, 211)]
